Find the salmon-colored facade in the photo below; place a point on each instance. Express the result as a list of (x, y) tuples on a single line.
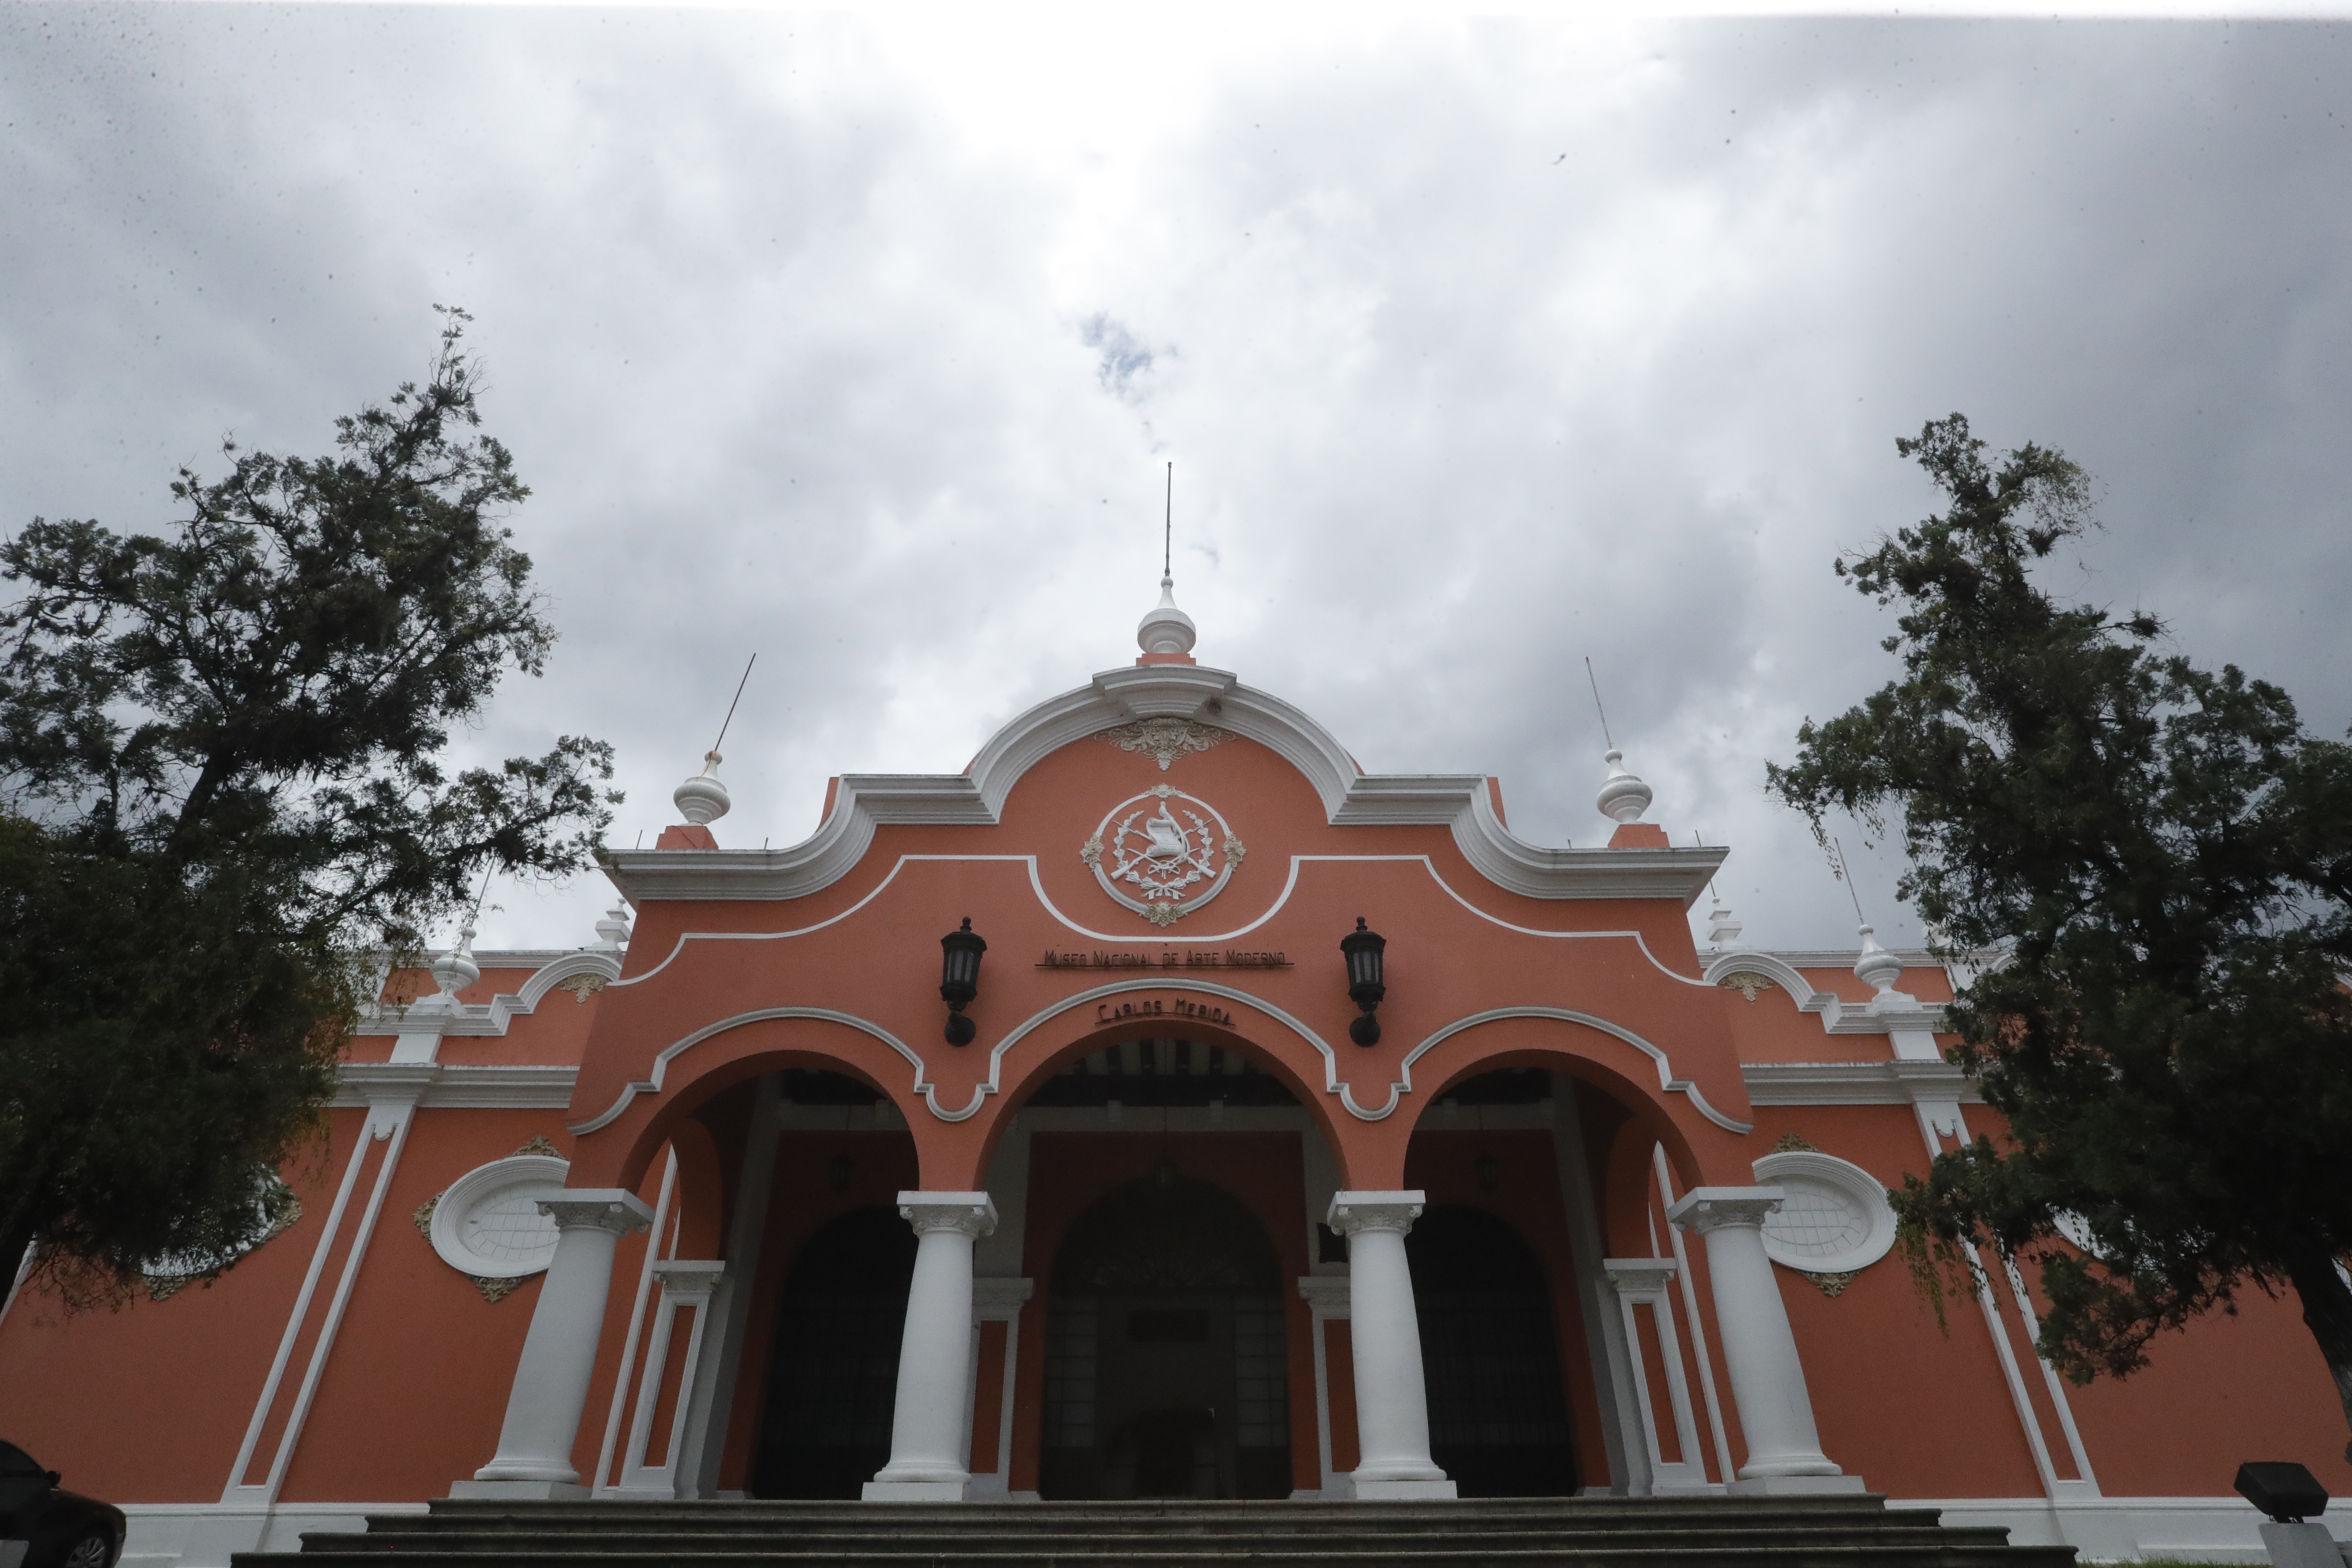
[(715, 1207)]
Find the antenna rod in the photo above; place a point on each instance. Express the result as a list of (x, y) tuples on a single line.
[(1700, 843), (1168, 534), (487, 872), (738, 697), (1845, 874), (1596, 702)]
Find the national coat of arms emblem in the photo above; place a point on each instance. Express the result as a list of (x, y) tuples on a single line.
[(1163, 854)]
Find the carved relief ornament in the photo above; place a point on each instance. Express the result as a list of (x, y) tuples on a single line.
[(1166, 739)]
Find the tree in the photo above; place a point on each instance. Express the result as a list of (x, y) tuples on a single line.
[(219, 747), (2164, 859)]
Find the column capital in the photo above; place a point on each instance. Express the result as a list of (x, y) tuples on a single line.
[(689, 1281), (974, 1214), (1704, 1209), (1353, 1212), (598, 1208), (1639, 1275)]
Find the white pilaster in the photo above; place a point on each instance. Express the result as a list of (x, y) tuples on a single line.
[(1642, 1282), (559, 1354), (1327, 1300), (999, 1301), (686, 1287), (933, 1416), (1392, 1399), (1768, 1380)]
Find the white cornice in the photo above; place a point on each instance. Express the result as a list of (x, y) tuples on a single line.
[(492, 1017), (1838, 1015), (1351, 797), (1856, 1083), (501, 1087)]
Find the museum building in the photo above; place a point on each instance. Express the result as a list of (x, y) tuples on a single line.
[(1160, 1107)]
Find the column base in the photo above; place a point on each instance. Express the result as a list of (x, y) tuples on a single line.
[(916, 1492), (520, 1491), (1797, 1485), (1402, 1491)]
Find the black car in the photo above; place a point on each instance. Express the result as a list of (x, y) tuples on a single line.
[(42, 1525)]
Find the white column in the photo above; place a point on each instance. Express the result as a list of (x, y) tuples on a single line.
[(928, 1426), (1392, 1400), (559, 1354), (1768, 1380)]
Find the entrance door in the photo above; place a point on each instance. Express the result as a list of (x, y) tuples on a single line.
[(1498, 1413), (832, 1375), (1165, 1365)]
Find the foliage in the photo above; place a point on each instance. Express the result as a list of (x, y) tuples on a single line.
[(159, 1061), (220, 750), (2164, 858)]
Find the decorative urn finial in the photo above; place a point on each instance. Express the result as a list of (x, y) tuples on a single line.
[(1167, 631), (1624, 797), (702, 799), (1877, 968), (453, 971)]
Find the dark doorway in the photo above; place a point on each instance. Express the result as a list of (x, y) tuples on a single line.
[(1165, 1367), (1497, 1413), (832, 1375)]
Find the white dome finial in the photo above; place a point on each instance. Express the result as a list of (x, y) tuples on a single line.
[(1167, 630), (1624, 797), (702, 799)]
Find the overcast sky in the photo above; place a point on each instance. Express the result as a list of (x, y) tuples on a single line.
[(1479, 348)]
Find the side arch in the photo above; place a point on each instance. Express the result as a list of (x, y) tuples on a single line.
[(614, 1149), (1702, 1144)]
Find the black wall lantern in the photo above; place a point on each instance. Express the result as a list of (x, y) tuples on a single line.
[(1365, 988), (959, 979)]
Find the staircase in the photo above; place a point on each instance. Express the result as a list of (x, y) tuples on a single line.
[(1529, 1532)]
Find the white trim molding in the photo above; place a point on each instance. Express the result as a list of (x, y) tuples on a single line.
[(594, 969), (1461, 802), (1333, 1084), (1858, 1083), (1838, 1015), (506, 1086)]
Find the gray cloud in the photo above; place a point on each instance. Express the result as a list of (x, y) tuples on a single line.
[(1478, 348)]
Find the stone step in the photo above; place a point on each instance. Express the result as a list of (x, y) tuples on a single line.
[(726, 1539), (1593, 1513), (1842, 1531), (1748, 1556)]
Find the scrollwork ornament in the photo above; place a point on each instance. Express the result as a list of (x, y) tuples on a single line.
[(1166, 739)]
